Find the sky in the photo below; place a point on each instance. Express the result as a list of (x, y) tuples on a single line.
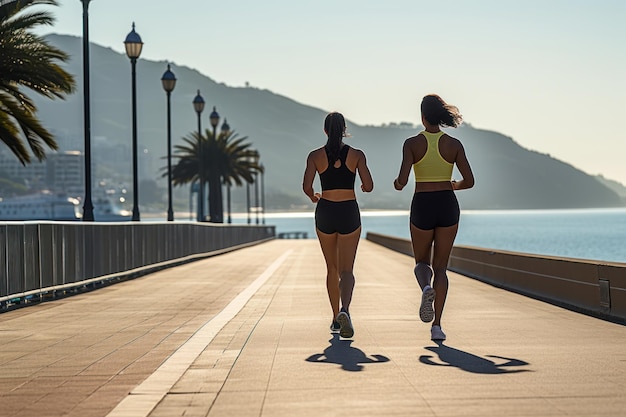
[(551, 74)]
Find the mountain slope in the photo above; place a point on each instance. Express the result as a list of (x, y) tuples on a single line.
[(284, 131)]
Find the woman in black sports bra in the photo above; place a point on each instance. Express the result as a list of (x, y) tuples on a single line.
[(337, 217)]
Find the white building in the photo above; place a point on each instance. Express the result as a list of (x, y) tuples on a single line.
[(60, 172)]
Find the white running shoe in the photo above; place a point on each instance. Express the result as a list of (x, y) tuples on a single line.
[(437, 334), (427, 313), (346, 330)]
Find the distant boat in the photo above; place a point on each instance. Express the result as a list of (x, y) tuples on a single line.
[(44, 205), (105, 209)]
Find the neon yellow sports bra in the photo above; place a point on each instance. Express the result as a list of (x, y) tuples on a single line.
[(432, 167)]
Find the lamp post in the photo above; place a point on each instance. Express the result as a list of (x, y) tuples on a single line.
[(248, 200), (251, 161), (256, 192), (169, 82), (88, 204), (263, 193), (198, 105), (218, 216), (225, 131), (255, 161), (133, 46)]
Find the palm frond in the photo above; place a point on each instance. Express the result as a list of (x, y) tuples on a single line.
[(27, 61)]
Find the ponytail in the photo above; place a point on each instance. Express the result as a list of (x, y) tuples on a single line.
[(335, 127)]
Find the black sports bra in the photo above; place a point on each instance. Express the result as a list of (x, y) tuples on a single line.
[(337, 178)]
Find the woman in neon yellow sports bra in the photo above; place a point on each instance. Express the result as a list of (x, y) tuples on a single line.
[(434, 210)]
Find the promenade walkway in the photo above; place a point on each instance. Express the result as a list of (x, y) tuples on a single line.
[(246, 334)]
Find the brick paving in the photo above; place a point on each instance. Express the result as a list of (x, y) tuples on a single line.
[(246, 334)]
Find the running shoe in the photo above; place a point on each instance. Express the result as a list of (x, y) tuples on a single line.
[(437, 334), (427, 313), (346, 330), (335, 327)]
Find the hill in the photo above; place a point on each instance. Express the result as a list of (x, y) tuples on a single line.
[(284, 131)]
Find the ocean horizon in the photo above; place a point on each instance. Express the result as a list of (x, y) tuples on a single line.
[(596, 234)]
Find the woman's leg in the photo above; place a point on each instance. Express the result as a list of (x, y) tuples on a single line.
[(422, 245), (328, 243), (422, 241), (347, 245), (444, 241)]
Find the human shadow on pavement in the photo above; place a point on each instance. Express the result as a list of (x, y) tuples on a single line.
[(342, 353), (449, 356)]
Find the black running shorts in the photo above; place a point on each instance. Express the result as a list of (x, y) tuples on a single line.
[(341, 217), (434, 209)]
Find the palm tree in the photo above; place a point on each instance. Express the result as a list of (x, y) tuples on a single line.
[(226, 159), (28, 61)]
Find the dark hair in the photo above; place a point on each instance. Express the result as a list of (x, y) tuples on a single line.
[(334, 126), (437, 112)]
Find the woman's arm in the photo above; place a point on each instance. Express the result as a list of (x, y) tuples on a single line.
[(465, 169), (307, 181), (405, 167), (367, 183)]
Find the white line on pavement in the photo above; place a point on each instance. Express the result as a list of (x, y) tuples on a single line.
[(142, 400)]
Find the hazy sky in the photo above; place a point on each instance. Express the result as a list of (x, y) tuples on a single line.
[(551, 74)]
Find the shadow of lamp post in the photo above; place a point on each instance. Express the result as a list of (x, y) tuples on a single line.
[(169, 83), (198, 105), (88, 204), (133, 46)]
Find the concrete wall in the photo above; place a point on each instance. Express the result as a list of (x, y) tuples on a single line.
[(591, 287), (40, 259)]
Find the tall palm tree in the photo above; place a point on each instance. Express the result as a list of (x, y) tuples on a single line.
[(28, 61), (226, 159)]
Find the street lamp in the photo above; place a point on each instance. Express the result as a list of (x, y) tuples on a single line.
[(263, 192), (218, 216), (198, 105), (88, 204), (225, 131), (256, 190), (133, 46), (169, 82), (225, 127), (251, 161)]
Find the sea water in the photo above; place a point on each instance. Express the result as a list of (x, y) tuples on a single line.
[(594, 234)]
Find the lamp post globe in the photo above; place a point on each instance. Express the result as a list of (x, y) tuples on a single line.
[(215, 118), (133, 45), (168, 80), (198, 106), (198, 103)]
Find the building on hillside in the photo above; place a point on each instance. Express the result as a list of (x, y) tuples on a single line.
[(32, 175), (65, 172), (59, 172)]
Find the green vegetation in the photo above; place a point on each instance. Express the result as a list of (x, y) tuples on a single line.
[(28, 61), (226, 159)]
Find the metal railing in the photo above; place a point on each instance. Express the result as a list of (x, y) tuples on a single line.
[(39, 258)]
